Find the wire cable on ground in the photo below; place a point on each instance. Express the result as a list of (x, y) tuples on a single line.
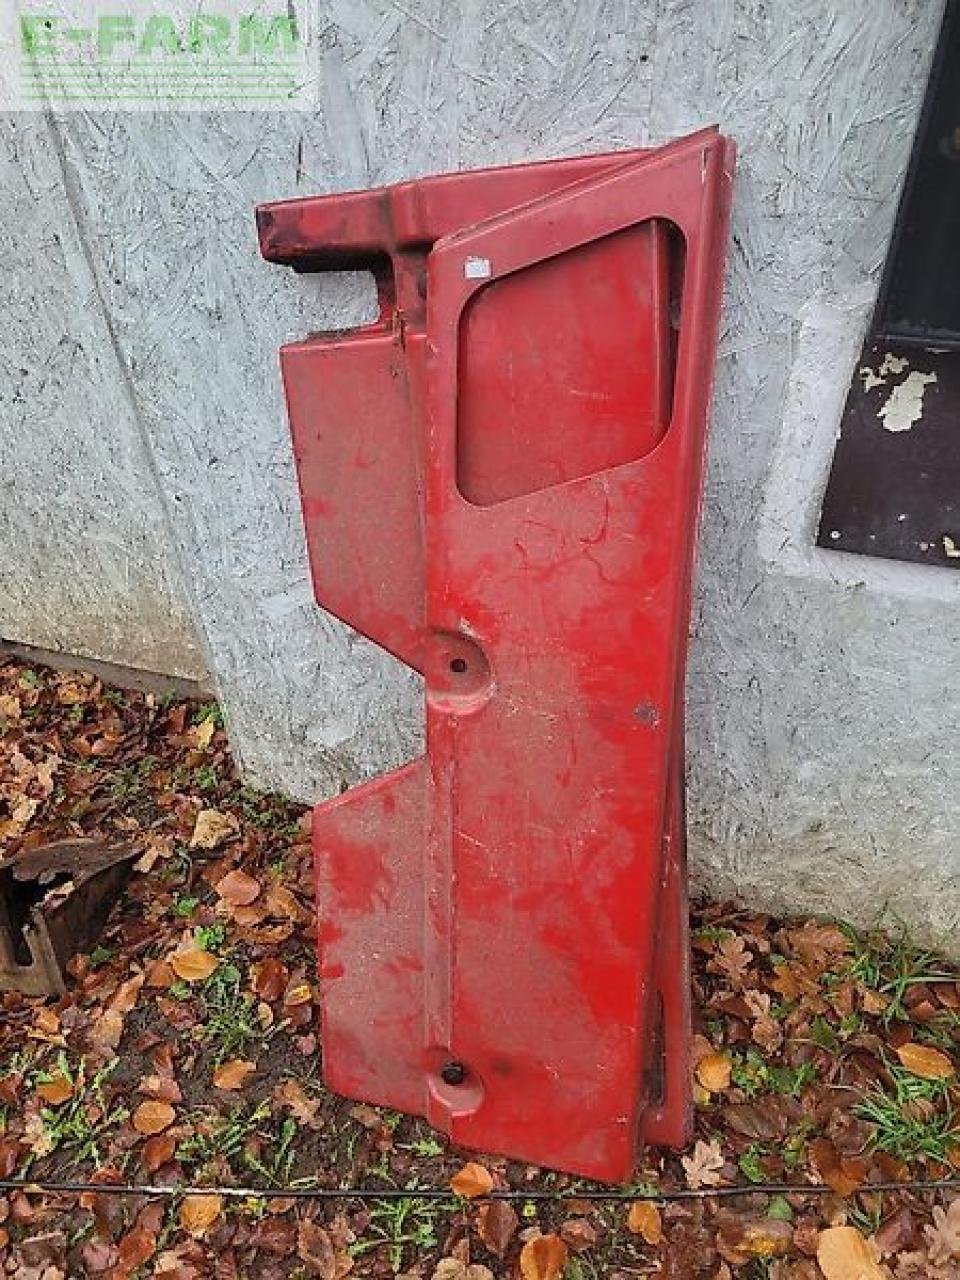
[(175, 1190)]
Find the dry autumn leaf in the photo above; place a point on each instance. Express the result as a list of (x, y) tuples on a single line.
[(156, 1151), (543, 1258), (203, 733), (713, 1072), (497, 1224), (457, 1269), (238, 889), (55, 1091), (233, 1075), (740, 1239), (301, 1106), (153, 1117), (644, 1220), (578, 1234), (843, 1175), (160, 975), (213, 829), (270, 978), (471, 1181), (135, 1248), (193, 965), (198, 1213), (703, 1166), (844, 1254), (943, 1238), (921, 1060)]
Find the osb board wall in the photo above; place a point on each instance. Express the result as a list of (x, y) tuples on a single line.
[(86, 562), (822, 745)]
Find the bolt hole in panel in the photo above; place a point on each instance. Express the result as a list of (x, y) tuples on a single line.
[(491, 491)]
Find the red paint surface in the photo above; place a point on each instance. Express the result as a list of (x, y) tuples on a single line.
[(500, 483)]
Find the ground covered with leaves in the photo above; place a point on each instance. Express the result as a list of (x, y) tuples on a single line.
[(185, 1053)]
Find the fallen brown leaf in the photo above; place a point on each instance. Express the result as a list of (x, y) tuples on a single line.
[(270, 978), (843, 1175), (497, 1223), (943, 1238), (56, 1091), (703, 1165), (740, 1239), (233, 1075), (316, 1247), (644, 1220), (238, 889), (9, 1155), (213, 829), (157, 1151), (457, 1269), (160, 975), (471, 1181), (301, 1106), (153, 1117), (198, 1213), (844, 1254), (579, 1234), (543, 1258), (134, 1249), (921, 1060), (194, 964), (713, 1072)]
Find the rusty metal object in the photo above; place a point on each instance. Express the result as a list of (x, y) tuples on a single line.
[(54, 902)]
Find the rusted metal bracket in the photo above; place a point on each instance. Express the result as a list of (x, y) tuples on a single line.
[(54, 902)]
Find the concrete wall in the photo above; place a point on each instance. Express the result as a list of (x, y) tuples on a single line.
[(822, 731)]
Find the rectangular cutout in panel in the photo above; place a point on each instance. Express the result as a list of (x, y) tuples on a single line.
[(566, 366)]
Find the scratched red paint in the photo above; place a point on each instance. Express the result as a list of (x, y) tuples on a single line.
[(500, 481)]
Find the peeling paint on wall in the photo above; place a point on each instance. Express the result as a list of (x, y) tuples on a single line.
[(903, 407)]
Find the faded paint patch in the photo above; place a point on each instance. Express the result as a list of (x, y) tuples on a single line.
[(904, 405), (894, 364), (891, 364)]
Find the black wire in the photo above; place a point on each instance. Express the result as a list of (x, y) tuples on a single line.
[(442, 1194)]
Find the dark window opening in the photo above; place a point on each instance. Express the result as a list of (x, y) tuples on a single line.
[(894, 487)]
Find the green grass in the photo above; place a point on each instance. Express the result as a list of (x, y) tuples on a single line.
[(208, 711), (912, 1118), (130, 781), (399, 1225), (755, 1075), (230, 1024), (79, 1126), (276, 1164), (221, 1136), (888, 963)]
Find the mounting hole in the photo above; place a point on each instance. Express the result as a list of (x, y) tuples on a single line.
[(453, 1073), (459, 665)]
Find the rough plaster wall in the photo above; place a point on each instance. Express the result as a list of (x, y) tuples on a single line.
[(822, 746), (87, 566)]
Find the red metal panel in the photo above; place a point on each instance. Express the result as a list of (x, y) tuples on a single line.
[(500, 482)]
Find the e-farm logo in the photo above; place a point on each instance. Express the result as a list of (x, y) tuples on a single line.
[(107, 57)]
